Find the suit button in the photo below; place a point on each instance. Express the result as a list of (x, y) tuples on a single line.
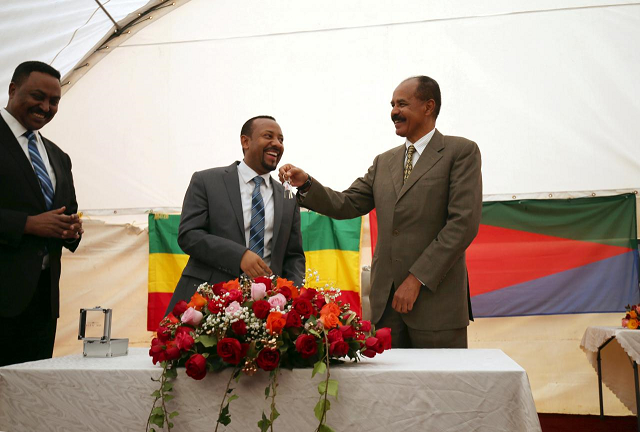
[(396, 233)]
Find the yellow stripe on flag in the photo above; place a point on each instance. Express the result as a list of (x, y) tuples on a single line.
[(165, 271), (342, 268)]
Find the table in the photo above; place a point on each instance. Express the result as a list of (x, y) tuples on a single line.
[(617, 366), (408, 390)]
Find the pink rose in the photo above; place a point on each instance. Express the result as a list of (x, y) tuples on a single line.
[(625, 321), (233, 308), (258, 291), (277, 301), (263, 280), (192, 317), (384, 336), (365, 326)]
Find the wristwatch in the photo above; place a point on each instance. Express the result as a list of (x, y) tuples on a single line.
[(306, 185)]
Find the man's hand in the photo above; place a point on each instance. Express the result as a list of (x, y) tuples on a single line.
[(54, 224), (253, 266), (295, 175), (406, 294)]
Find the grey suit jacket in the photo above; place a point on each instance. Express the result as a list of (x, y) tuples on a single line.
[(424, 226), (211, 232)]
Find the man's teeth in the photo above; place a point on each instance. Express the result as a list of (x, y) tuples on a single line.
[(39, 115)]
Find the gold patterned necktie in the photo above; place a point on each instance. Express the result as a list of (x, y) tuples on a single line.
[(408, 166)]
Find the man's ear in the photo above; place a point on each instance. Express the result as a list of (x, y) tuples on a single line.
[(12, 89), (429, 108), (245, 141)]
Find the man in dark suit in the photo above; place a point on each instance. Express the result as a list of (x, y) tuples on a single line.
[(37, 216), (236, 219), (427, 193)]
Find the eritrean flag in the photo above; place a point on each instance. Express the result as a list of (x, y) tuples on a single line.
[(332, 248), (542, 257)]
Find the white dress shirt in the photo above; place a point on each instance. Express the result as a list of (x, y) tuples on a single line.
[(420, 145), (245, 177)]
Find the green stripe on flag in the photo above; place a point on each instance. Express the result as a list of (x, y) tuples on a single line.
[(605, 220), (322, 233), (163, 233)]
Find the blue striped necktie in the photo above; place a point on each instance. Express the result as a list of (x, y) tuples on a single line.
[(256, 230), (40, 169)]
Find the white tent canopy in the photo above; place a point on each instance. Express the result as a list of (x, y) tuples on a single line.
[(547, 89)]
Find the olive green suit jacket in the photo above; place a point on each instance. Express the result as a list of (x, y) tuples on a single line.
[(424, 226)]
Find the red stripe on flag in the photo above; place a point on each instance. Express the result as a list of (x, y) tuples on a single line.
[(353, 298), (373, 229), (157, 305)]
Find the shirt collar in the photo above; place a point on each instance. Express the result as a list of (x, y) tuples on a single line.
[(247, 174), (421, 144), (15, 126)]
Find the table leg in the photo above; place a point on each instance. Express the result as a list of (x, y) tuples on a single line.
[(635, 378), (599, 359)]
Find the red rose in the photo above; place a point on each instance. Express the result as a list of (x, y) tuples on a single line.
[(365, 326), (334, 335), (184, 329), (265, 280), (184, 341), (303, 306), (369, 353), (285, 291), (293, 319), (268, 359), (338, 348), (319, 302), (306, 345), (239, 327), (164, 334), (375, 344), (234, 295), (179, 308), (308, 293), (347, 332), (261, 308), (231, 350), (196, 366), (384, 336), (215, 307), (218, 289), (172, 352), (157, 351)]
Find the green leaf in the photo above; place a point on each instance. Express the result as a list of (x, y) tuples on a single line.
[(315, 333), (274, 414), (173, 414), (152, 430), (224, 417), (168, 397), (233, 397), (319, 367), (264, 423), (157, 411), (325, 428), (332, 388), (167, 386), (171, 373), (170, 425), (266, 391), (321, 407), (157, 420), (156, 393), (207, 341)]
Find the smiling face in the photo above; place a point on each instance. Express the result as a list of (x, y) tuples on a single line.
[(412, 117), (34, 101), (264, 148)]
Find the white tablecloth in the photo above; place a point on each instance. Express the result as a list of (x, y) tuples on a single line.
[(617, 369), (403, 390)]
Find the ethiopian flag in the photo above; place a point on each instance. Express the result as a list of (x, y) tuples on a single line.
[(542, 257), (332, 248)]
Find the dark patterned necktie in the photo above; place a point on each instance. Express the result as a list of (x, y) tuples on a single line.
[(408, 166), (40, 169), (256, 230)]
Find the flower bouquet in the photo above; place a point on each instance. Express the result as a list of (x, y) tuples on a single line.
[(264, 323), (630, 320)]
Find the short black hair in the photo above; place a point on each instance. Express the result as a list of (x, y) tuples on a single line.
[(23, 71), (247, 127), (427, 89)]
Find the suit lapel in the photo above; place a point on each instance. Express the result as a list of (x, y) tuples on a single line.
[(396, 166), (278, 197), (232, 184), (13, 149), (427, 160)]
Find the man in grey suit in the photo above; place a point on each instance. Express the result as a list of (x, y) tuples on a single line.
[(236, 219), (427, 193)]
